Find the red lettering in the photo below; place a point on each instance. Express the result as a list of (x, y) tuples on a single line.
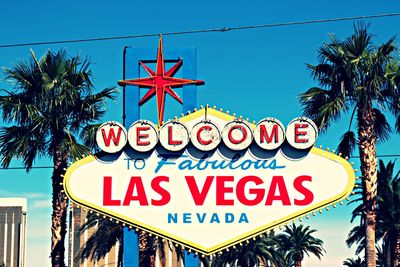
[(298, 133), (107, 192), (278, 182), (201, 141), (111, 135), (165, 195), (242, 129), (308, 195), (265, 137), (222, 189), (199, 196), (139, 135), (170, 139), (259, 193), (135, 183)]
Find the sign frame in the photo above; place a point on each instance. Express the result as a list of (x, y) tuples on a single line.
[(189, 245)]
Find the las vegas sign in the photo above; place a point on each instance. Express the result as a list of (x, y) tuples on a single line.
[(208, 180)]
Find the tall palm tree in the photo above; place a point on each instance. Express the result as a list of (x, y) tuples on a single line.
[(52, 102), (263, 250), (354, 262), (388, 216), (299, 240), (356, 75)]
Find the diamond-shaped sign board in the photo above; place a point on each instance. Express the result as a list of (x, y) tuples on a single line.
[(209, 200)]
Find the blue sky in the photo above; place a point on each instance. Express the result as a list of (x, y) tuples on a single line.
[(255, 73)]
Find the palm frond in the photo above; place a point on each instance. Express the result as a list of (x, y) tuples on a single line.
[(18, 108), (20, 142), (359, 44), (358, 262), (88, 135), (356, 236), (397, 125), (69, 145), (382, 127), (319, 105), (386, 50), (100, 243), (347, 144), (91, 108)]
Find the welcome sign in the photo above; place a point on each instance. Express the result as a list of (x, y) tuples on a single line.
[(208, 180)]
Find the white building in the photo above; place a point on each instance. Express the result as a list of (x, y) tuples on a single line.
[(13, 231)]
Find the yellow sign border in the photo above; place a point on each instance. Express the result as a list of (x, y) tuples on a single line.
[(236, 240)]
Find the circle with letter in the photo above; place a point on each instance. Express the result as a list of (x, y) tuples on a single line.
[(143, 135), (237, 135), (205, 136), (174, 136), (269, 133), (111, 137), (301, 133)]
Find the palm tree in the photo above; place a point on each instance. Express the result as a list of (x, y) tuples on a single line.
[(299, 240), (106, 235), (354, 262), (263, 250), (150, 247), (51, 103), (388, 216), (100, 243), (354, 74), (358, 262), (388, 206)]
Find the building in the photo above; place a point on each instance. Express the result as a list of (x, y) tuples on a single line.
[(13, 232)]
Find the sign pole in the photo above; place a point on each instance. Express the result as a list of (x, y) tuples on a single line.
[(130, 98), (130, 239)]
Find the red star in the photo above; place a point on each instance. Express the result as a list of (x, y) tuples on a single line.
[(160, 82)]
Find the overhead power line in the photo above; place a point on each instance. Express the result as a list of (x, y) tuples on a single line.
[(51, 167), (23, 168), (380, 156), (223, 29)]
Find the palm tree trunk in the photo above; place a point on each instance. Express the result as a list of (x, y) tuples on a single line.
[(367, 150), (145, 250), (121, 251), (60, 207)]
